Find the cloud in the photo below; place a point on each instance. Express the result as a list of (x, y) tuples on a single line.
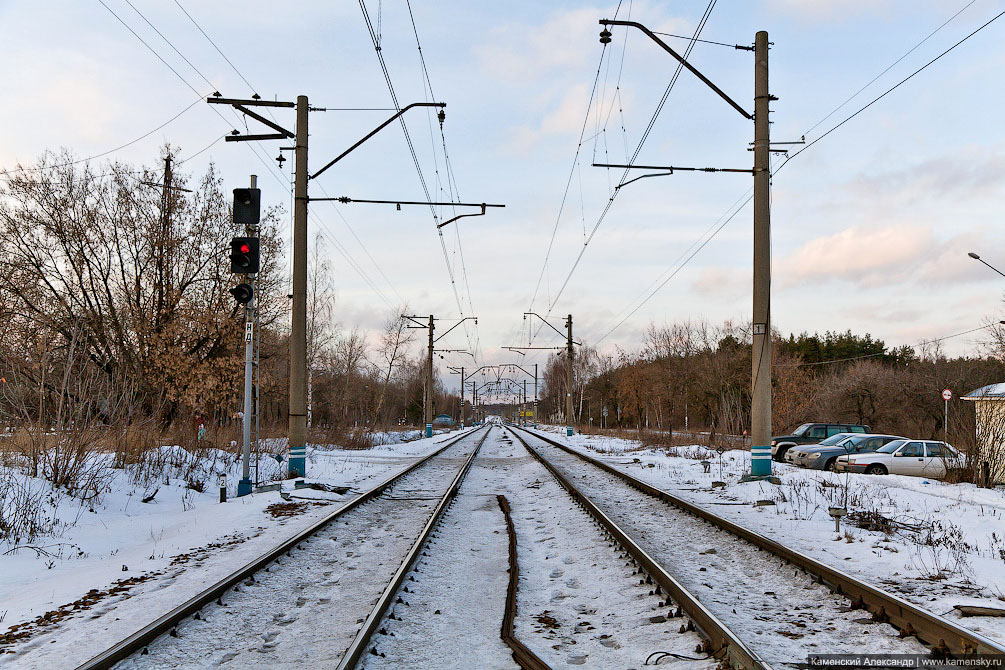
[(970, 172), (565, 117), (873, 256), (722, 282)]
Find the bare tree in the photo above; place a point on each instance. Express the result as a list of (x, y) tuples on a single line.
[(394, 344)]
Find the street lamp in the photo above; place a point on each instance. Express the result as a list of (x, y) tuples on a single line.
[(978, 258)]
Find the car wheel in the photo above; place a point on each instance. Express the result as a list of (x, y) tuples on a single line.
[(829, 465), (875, 469), (780, 454)]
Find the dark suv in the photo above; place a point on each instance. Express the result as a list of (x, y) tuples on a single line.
[(811, 433)]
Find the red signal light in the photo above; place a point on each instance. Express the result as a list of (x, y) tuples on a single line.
[(245, 248)]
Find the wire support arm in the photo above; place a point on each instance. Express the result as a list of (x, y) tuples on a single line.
[(671, 168), (444, 333), (374, 132), (666, 47)]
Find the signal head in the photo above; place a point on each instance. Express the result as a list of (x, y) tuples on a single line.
[(243, 293)]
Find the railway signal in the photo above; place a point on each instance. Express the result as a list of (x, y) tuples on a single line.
[(247, 206), (244, 257)]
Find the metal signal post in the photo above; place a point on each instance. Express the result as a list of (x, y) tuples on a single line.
[(245, 257)]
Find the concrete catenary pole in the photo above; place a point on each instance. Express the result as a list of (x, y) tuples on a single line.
[(429, 382), (760, 401), (535, 395), (462, 397), (568, 395), (298, 328)]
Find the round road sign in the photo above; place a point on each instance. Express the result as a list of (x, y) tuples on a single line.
[(947, 395)]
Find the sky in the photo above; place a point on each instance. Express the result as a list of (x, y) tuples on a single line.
[(870, 227)]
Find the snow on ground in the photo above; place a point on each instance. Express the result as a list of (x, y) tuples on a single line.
[(956, 557), (124, 549)]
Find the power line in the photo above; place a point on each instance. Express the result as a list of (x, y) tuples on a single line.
[(889, 67), (110, 151), (894, 87), (170, 44), (210, 39), (722, 44)]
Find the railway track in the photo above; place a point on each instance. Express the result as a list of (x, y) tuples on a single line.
[(713, 608), (199, 628), (581, 601)]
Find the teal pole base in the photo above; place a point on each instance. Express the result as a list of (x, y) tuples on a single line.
[(429, 430), (298, 462), (568, 431), (760, 462), (243, 487)]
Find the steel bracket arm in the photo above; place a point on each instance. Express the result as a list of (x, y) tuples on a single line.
[(375, 131), (666, 47), (545, 321), (442, 335), (461, 216)]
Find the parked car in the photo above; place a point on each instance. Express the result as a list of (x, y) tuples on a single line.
[(920, 458), (795, 455), (811, 433), (824, 455)]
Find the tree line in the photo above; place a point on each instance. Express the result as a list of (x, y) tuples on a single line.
[(693, 376)]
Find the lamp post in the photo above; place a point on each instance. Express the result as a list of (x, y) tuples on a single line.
[(978, 258)]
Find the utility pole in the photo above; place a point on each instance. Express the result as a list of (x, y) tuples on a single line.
[(298, 330), (760, 405), (760, 394), (568, 397)]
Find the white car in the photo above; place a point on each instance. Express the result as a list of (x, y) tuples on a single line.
[(920, 458)]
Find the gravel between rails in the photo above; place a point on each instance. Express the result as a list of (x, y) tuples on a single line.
[(579, 605), (305, 611), (778, 612)]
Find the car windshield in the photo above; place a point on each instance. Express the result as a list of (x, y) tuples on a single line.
[(891, 447), (802, 429), (834, 439)]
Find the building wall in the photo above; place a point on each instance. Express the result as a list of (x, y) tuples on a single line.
[(989, 452)]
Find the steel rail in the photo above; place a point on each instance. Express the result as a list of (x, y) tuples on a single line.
[(522, 654), (169, 621), (718, 640), (358, 646), (945, 637)]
